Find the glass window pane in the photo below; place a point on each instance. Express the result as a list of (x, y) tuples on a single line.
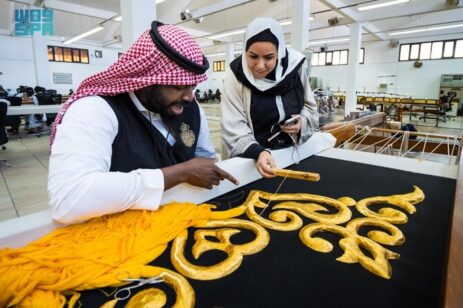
[(459, 49), (315, 59), (415, 51), (50, 53), (58, 54), (436, 50), (336, 57), (321, 58), (84, 56), (448, 49), (67, 55), (75, 55), (404, 52), (343, 57), (329, 57), (362, 55), (425, 51)]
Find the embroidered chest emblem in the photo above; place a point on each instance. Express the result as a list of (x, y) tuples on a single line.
[(187, 135)]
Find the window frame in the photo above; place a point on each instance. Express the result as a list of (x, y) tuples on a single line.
[(52, 54), (444, 42), (218, 66), (319, 56)]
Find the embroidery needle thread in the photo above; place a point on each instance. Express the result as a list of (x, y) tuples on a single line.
[(268, 202)]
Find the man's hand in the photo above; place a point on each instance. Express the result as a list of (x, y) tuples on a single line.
[(265, 164), (203, 172), (199, 171)]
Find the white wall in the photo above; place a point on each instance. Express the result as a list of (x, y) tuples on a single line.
[(16, 63), (382, 66)]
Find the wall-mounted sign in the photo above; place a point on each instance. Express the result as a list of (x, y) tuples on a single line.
[(27, 22), (98, 54), (62, 78)]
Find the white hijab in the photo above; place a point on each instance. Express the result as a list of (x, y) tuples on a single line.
[(294, 57)]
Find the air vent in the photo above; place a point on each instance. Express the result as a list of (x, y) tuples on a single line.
[(455, 80)]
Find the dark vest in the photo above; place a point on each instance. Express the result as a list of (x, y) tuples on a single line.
[(138, 144)]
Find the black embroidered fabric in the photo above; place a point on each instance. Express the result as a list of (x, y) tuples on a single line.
[(288, 274)]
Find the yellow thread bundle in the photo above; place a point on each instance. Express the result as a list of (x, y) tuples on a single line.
[(93, 254)]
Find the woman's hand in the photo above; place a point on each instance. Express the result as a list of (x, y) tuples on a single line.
[(293, 128), (265, 163)]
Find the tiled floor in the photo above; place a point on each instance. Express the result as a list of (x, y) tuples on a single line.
[(23, 186)]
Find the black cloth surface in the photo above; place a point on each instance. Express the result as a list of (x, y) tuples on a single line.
[(288, 274)]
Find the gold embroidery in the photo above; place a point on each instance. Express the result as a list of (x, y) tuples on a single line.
[(187, 135), (148, 298), (153, 297), (235, 252), (351, 244), (405, 201), (284, 220)]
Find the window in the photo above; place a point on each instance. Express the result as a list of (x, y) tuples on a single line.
[(436, 51), (459, 49), (335, 57), (431, 50), (414, 52), (67, 54), (404, 52), (75, 55), (448, 49), (84, 56), (58, 54), (50, 53), (64, 54), (218, 66), (425, 51)]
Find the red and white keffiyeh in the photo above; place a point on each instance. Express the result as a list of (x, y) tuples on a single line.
[(141, 66)]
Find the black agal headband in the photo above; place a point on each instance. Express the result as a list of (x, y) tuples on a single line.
[(173, 54)]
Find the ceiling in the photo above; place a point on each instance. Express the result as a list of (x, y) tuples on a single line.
[(72, 17)]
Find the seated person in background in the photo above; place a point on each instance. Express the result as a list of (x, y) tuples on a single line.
[(217, 95), (442, 97), (3, 92), (34, 122), (209, 95), (266, 86), (21, 91), (133, 131)]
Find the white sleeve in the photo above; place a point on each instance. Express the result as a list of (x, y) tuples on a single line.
[(310, 110), (204, 147), (80, 185), (237, 134)]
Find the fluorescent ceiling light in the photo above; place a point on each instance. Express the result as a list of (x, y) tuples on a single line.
[(426, 29), (240, 31), (444, 27), (118, 18), (159, 1), (288, 22), (85, 34), (211, 55), (329, 41), (379, 5)]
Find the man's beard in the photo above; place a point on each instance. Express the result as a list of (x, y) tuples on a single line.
[(164, 112)]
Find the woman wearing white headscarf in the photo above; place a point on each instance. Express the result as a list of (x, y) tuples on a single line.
[(266, 86)]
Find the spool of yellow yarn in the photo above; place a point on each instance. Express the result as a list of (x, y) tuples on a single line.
[(92, 254)]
